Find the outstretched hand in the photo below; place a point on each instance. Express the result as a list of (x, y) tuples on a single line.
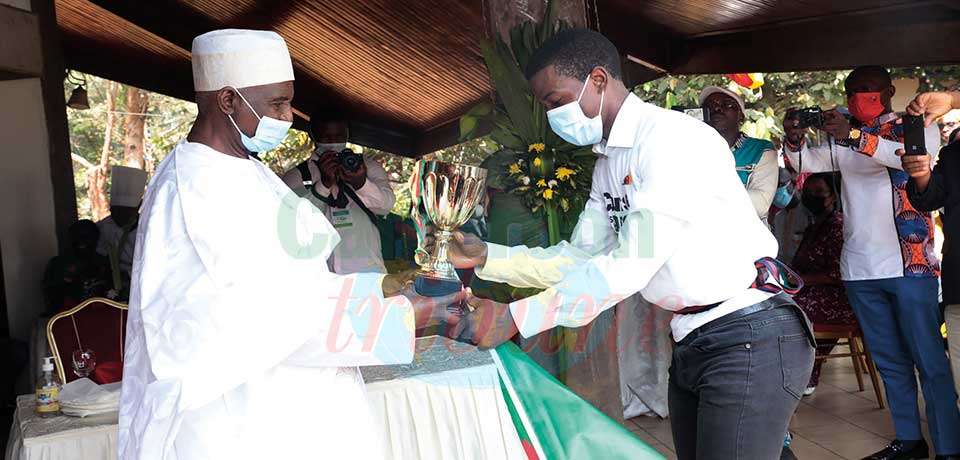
[(487, 326), (917, 166), (933, 105), (465, 250)]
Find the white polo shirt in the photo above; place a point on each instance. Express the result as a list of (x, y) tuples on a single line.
[(667, 217)]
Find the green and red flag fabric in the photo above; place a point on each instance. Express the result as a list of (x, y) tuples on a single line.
[(553, 423)]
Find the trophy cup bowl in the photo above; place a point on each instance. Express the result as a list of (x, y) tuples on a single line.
[(450, 194)]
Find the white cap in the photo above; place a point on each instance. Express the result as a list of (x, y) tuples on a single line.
[(239, 58), (126, 186), (711, 90), (47, 364)]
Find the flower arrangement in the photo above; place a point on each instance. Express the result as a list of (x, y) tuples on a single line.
[(550, 175)]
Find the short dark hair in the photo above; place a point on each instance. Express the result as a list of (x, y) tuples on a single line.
[(872, 71), (575, 53), (327, 114), (832, 179)]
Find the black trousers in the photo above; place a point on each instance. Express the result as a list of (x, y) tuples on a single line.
[(736, 381)]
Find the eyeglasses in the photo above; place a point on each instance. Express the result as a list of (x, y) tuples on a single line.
[(725, 106)]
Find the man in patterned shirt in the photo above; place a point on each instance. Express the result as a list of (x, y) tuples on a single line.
[(888, 264)]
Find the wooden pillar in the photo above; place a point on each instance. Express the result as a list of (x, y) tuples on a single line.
[(502, 15), (4, 320), (55, 110)]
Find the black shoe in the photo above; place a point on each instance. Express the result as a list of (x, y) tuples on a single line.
[(902, 450)]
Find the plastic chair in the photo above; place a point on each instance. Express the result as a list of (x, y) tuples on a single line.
[(851, 336), (97, 324)]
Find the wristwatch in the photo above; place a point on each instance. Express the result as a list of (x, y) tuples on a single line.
[(305, 175), (854, 136)]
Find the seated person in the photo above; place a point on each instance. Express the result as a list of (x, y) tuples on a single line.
[(756, 159), (817, 261), (78, 274), (351, 193)]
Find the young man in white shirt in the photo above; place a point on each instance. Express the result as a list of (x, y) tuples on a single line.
[(888, 264), (350, 190), (667, 217)]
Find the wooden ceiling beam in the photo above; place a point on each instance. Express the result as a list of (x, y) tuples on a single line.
[(179, 25), (917, 36)]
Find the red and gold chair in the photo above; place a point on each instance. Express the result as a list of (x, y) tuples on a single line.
[(97, 324)]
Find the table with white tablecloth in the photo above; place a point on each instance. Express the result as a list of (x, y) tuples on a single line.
[(446, 404)]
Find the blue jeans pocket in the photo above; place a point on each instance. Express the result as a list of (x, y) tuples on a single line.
[(794, 356)]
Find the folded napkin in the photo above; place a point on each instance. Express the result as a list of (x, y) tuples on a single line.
[(84, 397)]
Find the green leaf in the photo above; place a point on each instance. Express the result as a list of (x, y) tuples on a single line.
[(511, 87)]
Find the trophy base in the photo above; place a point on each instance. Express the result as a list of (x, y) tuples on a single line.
[(430, 286)]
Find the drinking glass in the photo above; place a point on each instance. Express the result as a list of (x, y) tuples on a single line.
[(84, 361)]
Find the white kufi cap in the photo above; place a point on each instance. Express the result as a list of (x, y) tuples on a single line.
[(239, 58), (126, 186), (711, 90)]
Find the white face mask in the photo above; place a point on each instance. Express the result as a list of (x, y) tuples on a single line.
[(270, 131), (335, 146), (573, 126)]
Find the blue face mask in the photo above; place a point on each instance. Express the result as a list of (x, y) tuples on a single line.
[(270, 131), (570, 123), (784, 196)]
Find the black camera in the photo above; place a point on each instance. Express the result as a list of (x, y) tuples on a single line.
[(350, 160), (810, 117)]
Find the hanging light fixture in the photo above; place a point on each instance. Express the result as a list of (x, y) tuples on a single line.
[(78, 99)]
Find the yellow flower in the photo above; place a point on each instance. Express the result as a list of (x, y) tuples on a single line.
[(541, 183), (548, 194), (563, 173), (539, 147), (565, 204), (514, 168), (537, 162)]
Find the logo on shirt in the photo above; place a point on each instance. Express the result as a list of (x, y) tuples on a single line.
[(627, 180), (617, 209)]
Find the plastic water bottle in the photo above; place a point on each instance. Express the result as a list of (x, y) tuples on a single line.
[(48, 390)]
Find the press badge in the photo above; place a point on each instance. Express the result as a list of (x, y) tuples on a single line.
[(341, 218)]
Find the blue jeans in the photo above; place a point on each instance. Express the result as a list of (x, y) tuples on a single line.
[(736, 381), (900, 318)]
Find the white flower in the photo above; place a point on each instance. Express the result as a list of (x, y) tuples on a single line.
[(552, 183), (525, 180)]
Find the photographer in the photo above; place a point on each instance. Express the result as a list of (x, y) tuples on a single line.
[(756, 159), (888, 265), (349, 189), (941, 189)]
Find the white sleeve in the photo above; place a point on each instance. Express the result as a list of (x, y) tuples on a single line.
[(376, 193), (884, 151), (762, 184), (525, 267), (234, 282), (811, 159), (591, 287)]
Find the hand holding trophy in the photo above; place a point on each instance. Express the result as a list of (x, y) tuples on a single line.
[(449, 193)]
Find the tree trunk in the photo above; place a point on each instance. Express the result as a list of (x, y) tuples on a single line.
[(137, 102), (97, 176)]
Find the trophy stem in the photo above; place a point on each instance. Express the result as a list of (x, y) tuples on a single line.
[(442, 267)]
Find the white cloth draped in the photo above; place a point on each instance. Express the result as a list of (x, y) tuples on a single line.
[(236, 323)]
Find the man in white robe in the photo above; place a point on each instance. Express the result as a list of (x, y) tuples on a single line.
[(240, 342)]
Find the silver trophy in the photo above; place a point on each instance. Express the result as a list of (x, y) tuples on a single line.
[(450, 193)]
